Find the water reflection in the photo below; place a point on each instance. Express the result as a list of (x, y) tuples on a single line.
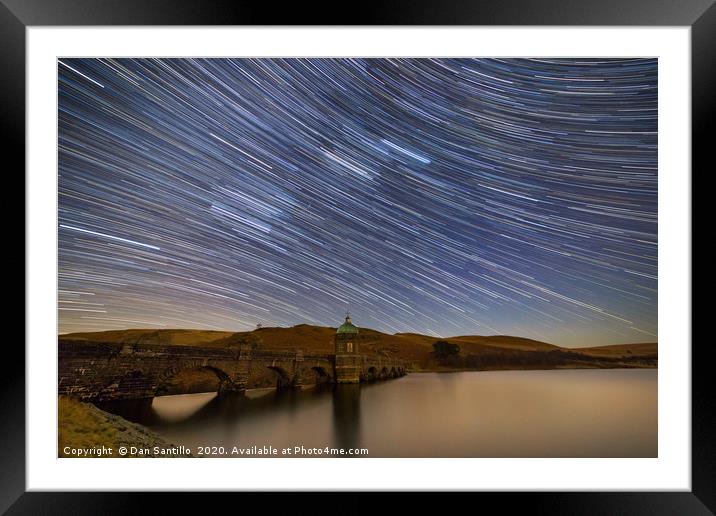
[(563, 413), (346, 416), (180, 407)]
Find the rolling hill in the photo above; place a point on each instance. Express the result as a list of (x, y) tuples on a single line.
[(476, 351)]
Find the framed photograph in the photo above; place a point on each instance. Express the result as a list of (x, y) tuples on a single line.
[(420, 252)]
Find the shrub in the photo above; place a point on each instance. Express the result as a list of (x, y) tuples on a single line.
[(444, 349)]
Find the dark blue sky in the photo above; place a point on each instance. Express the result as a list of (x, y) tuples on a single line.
[(446, 196)]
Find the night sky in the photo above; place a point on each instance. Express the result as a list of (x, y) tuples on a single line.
[(439, 196)]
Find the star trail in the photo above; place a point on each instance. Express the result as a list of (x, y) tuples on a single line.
[(438, 196)]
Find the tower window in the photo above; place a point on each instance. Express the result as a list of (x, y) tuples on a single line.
[(350, 347)]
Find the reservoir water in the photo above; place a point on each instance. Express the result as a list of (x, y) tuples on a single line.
[(556, 413)]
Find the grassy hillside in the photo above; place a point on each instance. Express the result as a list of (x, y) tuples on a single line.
[(84, 426), (646, 348), (476, 352), (179, 337)]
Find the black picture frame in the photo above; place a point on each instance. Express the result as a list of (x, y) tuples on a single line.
[(17, 15)]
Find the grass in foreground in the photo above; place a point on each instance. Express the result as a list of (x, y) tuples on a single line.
[(84, 426)]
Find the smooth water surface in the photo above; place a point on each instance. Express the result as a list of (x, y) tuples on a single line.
[(557, 413)]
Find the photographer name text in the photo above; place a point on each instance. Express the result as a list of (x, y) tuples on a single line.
[(211, 451)]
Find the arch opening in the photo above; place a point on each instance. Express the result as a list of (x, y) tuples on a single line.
[(283, 379), (193, 379), (321, 375), (372, 374)]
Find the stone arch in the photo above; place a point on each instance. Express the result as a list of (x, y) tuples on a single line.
[(161, 387), (384, 372), (393, 372), (320, 370), (322, 374), (372, 374), (283, 377), (313, 375)]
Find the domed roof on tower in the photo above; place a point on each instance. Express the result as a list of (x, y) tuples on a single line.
[(347, 326)]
